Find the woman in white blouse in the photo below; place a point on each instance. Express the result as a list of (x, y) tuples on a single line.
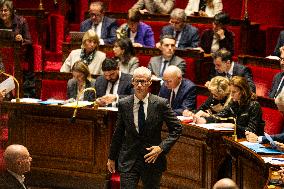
[(204, 7)]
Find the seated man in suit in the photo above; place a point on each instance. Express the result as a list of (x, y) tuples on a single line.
[(18, 161), (224, 66), (278, 80), (186, 35), (104, 27), (154, 6), (113, 84), (180, 92), (280, 44), (158, 64)]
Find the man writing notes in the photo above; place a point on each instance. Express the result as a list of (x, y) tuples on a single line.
[(136, 144)]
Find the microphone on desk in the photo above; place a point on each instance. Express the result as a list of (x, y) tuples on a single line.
[(17, 83), (73, 118)]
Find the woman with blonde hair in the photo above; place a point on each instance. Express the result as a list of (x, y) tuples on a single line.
[(88, 53), (207, 8), (243, 107), (219, 97), (80, 81)]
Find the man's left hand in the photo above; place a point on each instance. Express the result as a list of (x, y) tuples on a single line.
[(153, 154)]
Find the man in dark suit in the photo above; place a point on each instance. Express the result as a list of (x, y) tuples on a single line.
[(180, 92), (113, 84), (17, 161), (280, 44), (136, 144), (278, 80), (224, 66), (158, 64), (104, 27), (186, 35)]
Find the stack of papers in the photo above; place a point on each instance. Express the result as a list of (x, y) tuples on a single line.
[(273, 160), (27, 100), (80, 104), (260, 149), (214, 126)]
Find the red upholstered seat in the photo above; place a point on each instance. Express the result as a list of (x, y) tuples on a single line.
[(190, 69), (56, 89), (144, 60), (274, 120), (120, 6), (156, 27), (115, 181), (262, 78), (56, 32), (200, 99)]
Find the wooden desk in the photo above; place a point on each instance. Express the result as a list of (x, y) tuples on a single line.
[(194, 160), (65, 155), (248, 168)]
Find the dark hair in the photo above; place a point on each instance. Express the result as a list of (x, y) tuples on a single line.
[(9, 5), (80, 66), (134, 15), (168, 37), (109, 64), (242, 84), (223, 53), (221, 18), (126, 45)]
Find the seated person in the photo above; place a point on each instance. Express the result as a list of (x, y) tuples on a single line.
[(158, 64), (225, 183), (180, 92), (18, 24), (88, 54), (252, 137), (278, 79), (113, 84), (154, 6), (124, 54), (219, 98), (280, 44), (185, 34), (138, 32), (207, 8), (80, 81), (104, 26), (243, 108), (218, 37), (224, 66)]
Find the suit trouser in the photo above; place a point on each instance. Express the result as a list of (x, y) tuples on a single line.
[(150, 176)]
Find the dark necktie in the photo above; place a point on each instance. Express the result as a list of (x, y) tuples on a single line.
[(279, 89), (202, 5), (173, 98), (112, 86), (164, 67), (229, 76), (176, 36), (141, 116)]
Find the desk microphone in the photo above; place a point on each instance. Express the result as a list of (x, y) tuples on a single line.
[(17, 83)]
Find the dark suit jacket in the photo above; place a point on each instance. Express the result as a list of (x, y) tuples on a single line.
[(156, 63), (207, 39), (280, 43), (275, 83), (124, 86), (8, 181), (240, 70), (127, 145), (109, 27), (189, 36), (72, 89), (185, 97)]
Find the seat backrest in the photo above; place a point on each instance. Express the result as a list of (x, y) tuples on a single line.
[(56, 89), (274, 120)]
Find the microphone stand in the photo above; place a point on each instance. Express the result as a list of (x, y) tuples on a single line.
[(95, 105), (17, 83)]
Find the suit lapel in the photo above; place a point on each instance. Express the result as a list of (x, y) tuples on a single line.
[(130, 116), (150, 109), (120, 85)]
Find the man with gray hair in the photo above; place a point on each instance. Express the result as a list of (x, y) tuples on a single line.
[(180, 92), (18, 161), (225, 183), (185, 34), (136, 143)]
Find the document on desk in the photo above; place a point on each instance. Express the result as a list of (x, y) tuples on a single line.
[(260, 149), (80, 104), (273, 160), (115, 109), (214, 126), (8, 85)]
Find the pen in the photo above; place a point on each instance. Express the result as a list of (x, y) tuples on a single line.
[(278, 159)]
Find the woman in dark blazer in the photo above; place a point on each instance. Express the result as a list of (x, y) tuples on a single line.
[(80, 81), (243, 107)]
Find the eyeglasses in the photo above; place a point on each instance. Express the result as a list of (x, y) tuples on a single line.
[(175, 22), (96, 15), (4, 10), (142, 82), (281, 59)]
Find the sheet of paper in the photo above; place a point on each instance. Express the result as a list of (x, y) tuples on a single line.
[(7, 85), (27, 100), (273, 160), (80, 104), (115, 109), (214, 126), (184, 118), (260, 149)]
